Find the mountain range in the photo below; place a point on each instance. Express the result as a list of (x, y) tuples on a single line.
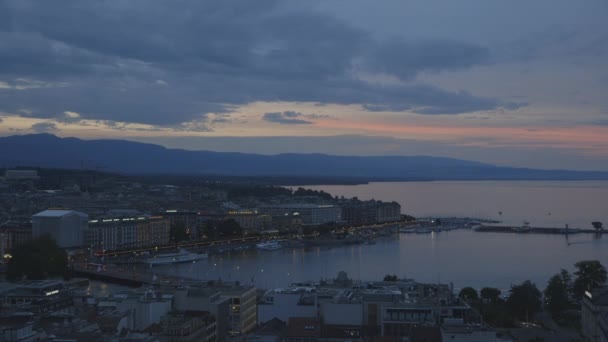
[(122, 156)]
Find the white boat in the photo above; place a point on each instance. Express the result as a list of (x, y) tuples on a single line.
[(174, 258), (268, 246)]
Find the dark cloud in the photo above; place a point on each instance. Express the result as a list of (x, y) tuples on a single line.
[(167, 62), (406, 59), (286, 118), (599, 122), (43, 127)]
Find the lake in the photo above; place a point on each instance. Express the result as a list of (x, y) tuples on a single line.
[(464, 257), (550, 203)]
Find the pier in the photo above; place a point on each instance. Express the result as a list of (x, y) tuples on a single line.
[(535, 230)]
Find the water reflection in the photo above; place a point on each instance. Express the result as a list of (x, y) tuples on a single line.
[(462, 256)]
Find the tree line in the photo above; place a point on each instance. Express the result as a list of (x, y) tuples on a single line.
[(562, 294)]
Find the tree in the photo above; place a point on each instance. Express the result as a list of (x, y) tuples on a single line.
[(567, 280), (524, 300), (178, 232), (468, 294), (39, 258), (229, 228), (557, 297), (325, 228), (597, 225), (389, 277), (590, 274), (490, 294)]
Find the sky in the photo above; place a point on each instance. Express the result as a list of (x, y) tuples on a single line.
[(517, 83)]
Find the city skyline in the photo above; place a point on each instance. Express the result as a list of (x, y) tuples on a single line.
[(514, 84)]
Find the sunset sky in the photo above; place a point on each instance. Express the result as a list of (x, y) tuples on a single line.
[(519, 83)]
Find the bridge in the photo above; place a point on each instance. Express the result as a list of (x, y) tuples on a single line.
[(121, 276)]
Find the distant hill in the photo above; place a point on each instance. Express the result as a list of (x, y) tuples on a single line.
[(49, 151)]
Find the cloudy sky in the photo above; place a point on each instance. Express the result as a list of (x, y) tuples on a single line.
[(517, 82)]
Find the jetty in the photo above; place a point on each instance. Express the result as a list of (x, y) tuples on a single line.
[(525, 229)]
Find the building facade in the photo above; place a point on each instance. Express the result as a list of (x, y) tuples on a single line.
[(286, 303), (251, 221), (67, 227), (370, 212), (242, 311), (13, 234), (127, 232), (190, 326), (594, 309), (309, 214)]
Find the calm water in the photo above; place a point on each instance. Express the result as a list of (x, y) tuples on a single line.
[(463, 257), (540, 203)]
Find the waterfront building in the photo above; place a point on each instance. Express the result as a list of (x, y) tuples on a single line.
[(359, 214), (288, 222), (388, 212), (112, 234), (594, 308), (187, 218), (156, 231), (356, 213), (67, 227), (13, 234), (128, 232), (251, 221), (309, 214)]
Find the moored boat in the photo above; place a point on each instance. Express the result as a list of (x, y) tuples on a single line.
[(268, 246)]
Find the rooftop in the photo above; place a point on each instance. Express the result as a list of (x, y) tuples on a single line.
[(303, 327), (298, 206), (57, 213)]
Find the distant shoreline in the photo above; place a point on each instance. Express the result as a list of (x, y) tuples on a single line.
[(286, 181)]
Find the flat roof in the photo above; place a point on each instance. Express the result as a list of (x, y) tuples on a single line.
[(57, 213), (298, 206)]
